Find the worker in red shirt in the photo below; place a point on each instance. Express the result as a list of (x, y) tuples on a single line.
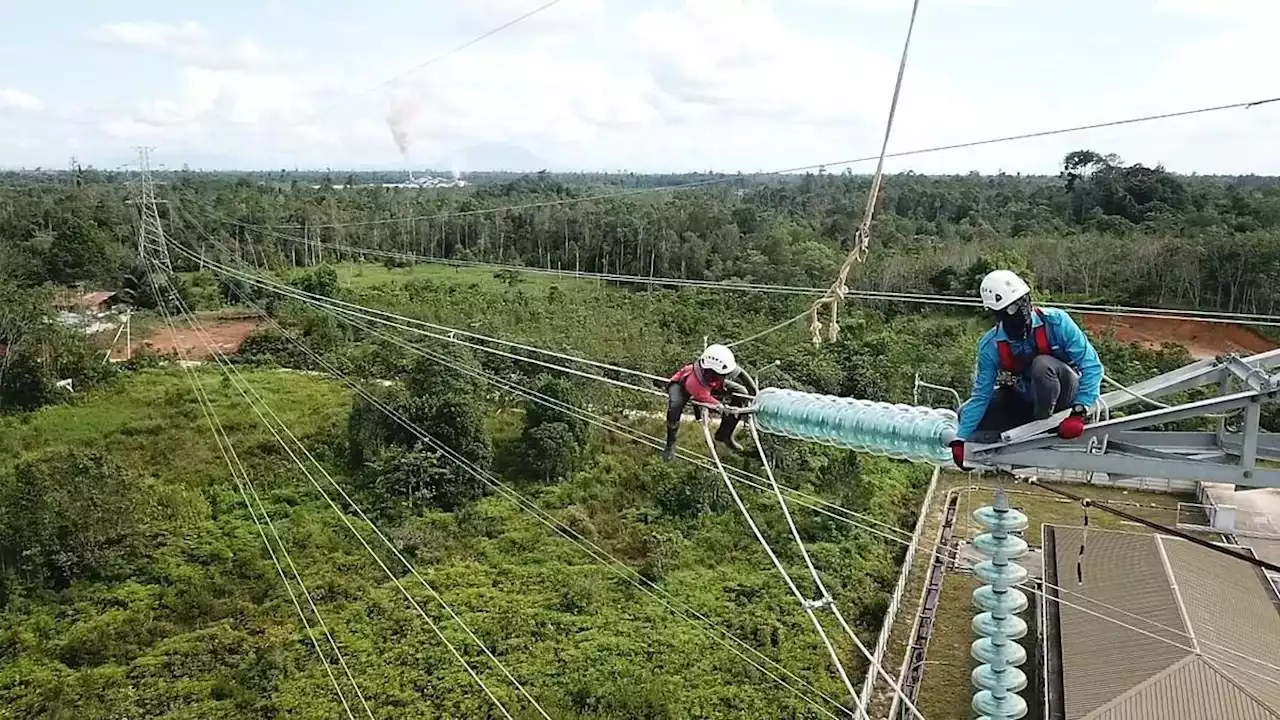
[(710, 382)]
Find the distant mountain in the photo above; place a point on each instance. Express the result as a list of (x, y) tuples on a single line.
[(493, 156)]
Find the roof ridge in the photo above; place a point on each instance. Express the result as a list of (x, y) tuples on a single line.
[(1187, 627), (1097, 712), (1213, 664)]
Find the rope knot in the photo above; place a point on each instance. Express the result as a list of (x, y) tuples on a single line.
[(815, 326)]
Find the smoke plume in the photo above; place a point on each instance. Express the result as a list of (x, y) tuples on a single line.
[(400, 120)]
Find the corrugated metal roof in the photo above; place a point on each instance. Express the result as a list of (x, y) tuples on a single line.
[(95, 298), (1189, 690), (1110, 672), (1228, 605), (1100, 659)]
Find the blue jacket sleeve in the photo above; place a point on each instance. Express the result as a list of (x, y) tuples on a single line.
[(986, 368), (1080, 351)]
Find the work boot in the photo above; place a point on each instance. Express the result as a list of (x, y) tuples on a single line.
[(669, 452), (728, 441)]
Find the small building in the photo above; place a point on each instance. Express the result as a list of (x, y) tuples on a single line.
[(1154, 627), (94, 302)]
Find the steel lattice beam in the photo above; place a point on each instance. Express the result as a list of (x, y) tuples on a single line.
[(1120, 446)]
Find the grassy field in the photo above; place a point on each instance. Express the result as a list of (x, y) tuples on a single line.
[(150, 418), (362, 275), (945, 689)]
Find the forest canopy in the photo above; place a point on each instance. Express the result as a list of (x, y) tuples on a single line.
[(136, 581)]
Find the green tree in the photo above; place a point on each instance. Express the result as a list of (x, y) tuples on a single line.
[(437, 401), (549, 451), (565, 391), (321, 280), (67, 514), (420, 477), (552, 438)]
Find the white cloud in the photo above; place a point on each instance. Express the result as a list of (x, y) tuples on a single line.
[(905, 5), (726, 59), (189, 42), (14, 99), (575, 16), (1218, 9), (685, 84)]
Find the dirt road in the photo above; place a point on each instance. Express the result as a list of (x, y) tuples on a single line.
[(227, 334), (1202, 340)]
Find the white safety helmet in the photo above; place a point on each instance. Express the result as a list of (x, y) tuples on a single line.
[(1000, 288), (718, 359)]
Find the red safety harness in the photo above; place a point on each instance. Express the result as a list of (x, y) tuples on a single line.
[(1014, 364)]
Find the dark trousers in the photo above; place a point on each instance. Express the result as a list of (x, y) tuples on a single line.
[(678, 398), (1053, 386)]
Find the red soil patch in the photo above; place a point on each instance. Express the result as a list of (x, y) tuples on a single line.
[(227, 334), (1201, 339)]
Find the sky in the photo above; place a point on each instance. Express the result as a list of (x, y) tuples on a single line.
[(644, 86)]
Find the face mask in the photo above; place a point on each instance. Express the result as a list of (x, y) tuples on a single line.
[(1016, 319)]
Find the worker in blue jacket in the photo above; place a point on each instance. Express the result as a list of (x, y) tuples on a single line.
[(1051, 362)]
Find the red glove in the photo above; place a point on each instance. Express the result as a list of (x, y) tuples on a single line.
[(957, 453), (1071, 428)]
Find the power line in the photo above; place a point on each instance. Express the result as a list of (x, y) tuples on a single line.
[(1208, 316), (1155, 313), (150, 232), (702, 461), (349, 310), (801, 168), (458, 48), (234, 375), (327, 304), (228, 454), (529, 506), (932, 551), (237, 380)]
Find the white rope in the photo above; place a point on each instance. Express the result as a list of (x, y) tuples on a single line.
[(238, 381), (786, 577), (817, 578), (1133, 394), (862, 238), (220, 436), (564, 530)]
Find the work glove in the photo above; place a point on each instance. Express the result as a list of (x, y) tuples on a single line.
[(957, 454), (1073, 426)]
